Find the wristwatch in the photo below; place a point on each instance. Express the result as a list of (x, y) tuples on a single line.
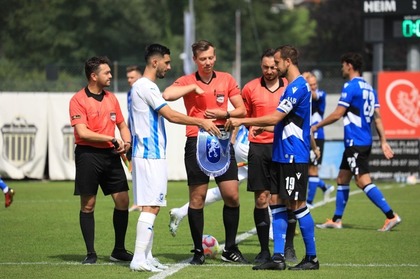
[(115, 143)]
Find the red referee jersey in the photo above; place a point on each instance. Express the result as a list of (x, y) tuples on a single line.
[(100, 117), (216, 95), (260, 101)]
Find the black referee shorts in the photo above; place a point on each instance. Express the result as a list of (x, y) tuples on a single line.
[(98, 167)]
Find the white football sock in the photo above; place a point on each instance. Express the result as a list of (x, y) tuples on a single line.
[(213, 195), (149, 254), (144, 235)]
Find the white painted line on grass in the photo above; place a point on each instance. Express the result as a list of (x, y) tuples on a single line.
[(242, 237), (179, 266), (173, 268)]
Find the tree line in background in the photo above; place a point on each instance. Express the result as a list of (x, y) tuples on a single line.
[(57, 35)]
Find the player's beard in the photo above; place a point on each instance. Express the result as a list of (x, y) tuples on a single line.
[(107, 83), (270, 77), (160, 74), (283, 74)]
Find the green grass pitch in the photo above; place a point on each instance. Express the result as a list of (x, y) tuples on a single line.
[(40, 237)]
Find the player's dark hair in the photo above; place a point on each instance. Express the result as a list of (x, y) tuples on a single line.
[(268, 53), (353, 58), (201, 45), (93, 63), (290, 52), (155, 49)]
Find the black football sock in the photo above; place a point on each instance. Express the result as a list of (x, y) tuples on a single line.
[(291, 228), (231, 223), (120, 221), (196, 220), (87, 225), (262, 223)]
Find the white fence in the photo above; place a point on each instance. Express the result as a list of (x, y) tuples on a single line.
[(36, 132)]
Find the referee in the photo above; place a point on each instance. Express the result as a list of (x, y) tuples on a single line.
[(94, 114)]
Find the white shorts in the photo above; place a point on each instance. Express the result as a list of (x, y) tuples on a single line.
[(150, 181), (241, 155)]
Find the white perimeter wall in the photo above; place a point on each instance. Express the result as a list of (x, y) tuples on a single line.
[(35, 132)]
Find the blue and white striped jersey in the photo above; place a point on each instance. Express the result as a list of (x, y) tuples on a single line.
[(360, 99), (147, 126), (129, 100), (318, 110), (292, 134), (242, 135)]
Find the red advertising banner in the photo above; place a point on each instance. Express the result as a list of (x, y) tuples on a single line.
[(399, 97)]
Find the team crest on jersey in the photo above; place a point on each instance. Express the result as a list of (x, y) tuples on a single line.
[(220, 97), (113, 116)]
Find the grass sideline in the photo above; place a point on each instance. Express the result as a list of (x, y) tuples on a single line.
[(40, 237)]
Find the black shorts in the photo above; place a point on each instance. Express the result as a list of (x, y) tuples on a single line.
[(320, 144), (98, 166), (356, 159), (260, 167), (291, 181), (195, 175)]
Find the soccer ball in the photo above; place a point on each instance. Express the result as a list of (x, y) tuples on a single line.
[(411, 179), (210, 246)]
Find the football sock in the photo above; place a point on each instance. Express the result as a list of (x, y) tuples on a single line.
[(87, 225), (149, 254), (341, 201), (312, 186), (375, 195), (231, 223), (279, 213), (120, 221), (196, 220), (213, 195), (262, 223), (321, 184), (307, 228), (183, 211), (3, 186), (291, 228), (144, 234)]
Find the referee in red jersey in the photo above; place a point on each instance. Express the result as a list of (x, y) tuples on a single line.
[(94, 114)]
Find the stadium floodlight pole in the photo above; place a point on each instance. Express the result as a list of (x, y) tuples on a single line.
[(189, 38)]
